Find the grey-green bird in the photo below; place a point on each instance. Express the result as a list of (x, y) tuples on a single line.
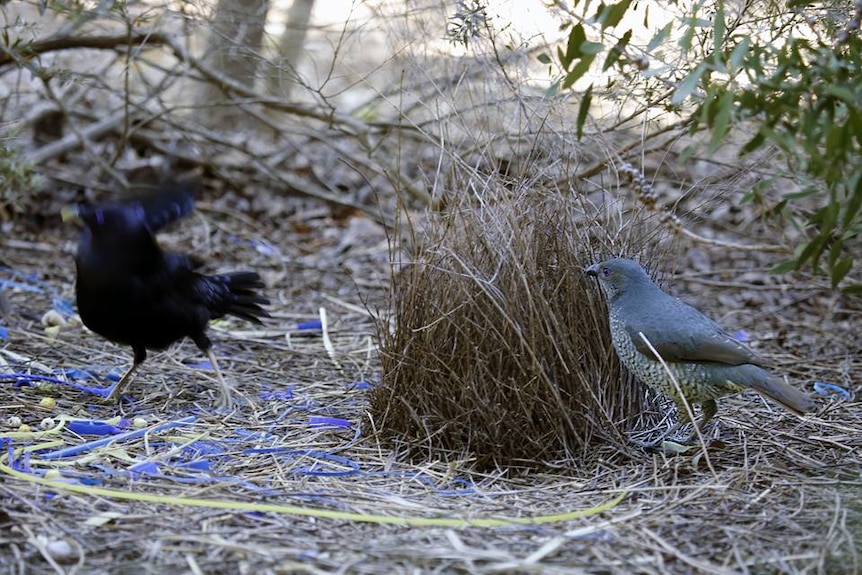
[(706, 361)]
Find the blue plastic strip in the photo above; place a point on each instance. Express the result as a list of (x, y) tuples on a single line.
[(84, 447)]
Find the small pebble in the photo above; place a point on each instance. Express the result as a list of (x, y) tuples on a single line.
[(139, 423), (48, 402), (53, 474), (52, 331), (14, 421), (60, 551), (47, 423)]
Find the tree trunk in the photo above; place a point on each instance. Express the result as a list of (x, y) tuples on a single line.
[(290, 45), (233, 50)]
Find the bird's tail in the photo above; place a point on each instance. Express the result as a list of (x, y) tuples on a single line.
[(236, 294), (782, 393)]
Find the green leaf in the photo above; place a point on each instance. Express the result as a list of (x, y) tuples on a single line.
[(592, 48), (804, 193), (854, 202), (578, 70), (573, 47), (835, 253), (753, 144), (853, 289), (544, 58), (660, 37), (718, 30), (721, 123), (688, 85), (584, 110), (784, 267), (812, 251), (610, 16), (739, 52), (840, 270), (617, 51), (842, 93)]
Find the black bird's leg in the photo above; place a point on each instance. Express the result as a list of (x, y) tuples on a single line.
[(204, 344), (226, 399), (116, 392)]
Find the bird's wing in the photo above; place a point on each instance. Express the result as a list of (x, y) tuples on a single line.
[(685, 334), (173, 202)]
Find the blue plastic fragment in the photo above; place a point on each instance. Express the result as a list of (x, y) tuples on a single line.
[(95, 427), (361, 385), (277, 394), (4, 333), (200, 465), (742, 335), (264, 248), (311, 325), (65, 308), (318, 421), (825, 388), (145, 468), (201, 365), (76, 374)]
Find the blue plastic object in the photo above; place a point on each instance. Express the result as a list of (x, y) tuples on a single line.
[(318, 421), (825, 388)]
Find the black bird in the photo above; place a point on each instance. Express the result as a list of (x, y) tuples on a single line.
[(131, 292)]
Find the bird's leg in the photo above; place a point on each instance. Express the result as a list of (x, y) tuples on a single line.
[(708, 410), (116, 393), (226, 399)]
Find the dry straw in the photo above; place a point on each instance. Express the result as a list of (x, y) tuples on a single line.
[(499, 345)]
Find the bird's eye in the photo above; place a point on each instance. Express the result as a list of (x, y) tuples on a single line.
[(606, 272)]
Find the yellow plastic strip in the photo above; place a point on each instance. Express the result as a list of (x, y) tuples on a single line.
[(312, 512)]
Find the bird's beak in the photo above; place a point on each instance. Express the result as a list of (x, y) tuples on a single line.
[(71, 213), (592, 271)]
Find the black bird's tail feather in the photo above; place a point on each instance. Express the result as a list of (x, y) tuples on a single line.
[(236, 294)]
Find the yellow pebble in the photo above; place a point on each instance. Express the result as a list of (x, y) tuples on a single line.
[(139, 422), (24, 428), (48, 402), (53, 474)]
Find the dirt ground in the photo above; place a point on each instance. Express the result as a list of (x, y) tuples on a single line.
[(296, 480)]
